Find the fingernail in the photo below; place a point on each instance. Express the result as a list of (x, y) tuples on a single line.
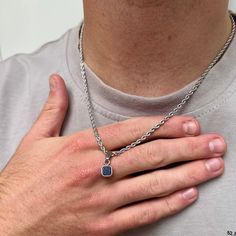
[(190, 127), (52, 83), (189, 194), (213, 164), (216, 145)]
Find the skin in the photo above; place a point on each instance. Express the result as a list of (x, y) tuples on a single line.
[(52, 184), (153, 47)]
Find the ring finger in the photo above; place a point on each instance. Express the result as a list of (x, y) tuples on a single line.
[(164, 182)]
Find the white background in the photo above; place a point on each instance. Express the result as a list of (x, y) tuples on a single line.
[(27, 24)]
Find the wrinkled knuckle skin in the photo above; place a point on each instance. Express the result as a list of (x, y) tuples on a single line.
[(146, 216), (135, 130), (185, 179), (93, 201), (193, 178), (69, 148), (78, 144), (53, 108), (134, 193), (190, 146), (155, 185), (132, 158), (100, 227), (75, 156), (82, 176), (154, 154), (177, 123), (171, 208), (129, 195)]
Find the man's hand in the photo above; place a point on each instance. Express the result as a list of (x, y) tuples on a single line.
[(53, 186)]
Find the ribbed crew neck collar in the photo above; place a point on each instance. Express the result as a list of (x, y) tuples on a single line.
[(123, 104)]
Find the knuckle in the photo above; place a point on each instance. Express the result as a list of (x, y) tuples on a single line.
[(100, 227), (132, 158), (82, 176), (78, 143), (51, 107), (177, 122), (87, 227), (155, 185), (94, 201), (130, 195), (190, 146), (187, 118), (88, 202), (76, 155), (134, 193), (147, 216), (61, 107), (171, 208), (149, 153), (154, 153), (194, 148), (135, 130), (192, 178)]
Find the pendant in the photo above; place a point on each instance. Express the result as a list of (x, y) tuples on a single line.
[(106, 170)]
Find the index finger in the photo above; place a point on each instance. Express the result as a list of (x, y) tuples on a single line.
[(120, 134)]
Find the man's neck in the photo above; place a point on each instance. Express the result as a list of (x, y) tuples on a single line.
[(153, 47)]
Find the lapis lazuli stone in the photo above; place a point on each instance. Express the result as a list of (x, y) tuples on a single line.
[(106, 171)]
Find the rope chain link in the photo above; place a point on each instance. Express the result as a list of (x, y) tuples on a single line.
[(177, 108)]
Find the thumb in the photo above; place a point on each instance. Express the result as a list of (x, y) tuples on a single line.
[(51, 118)]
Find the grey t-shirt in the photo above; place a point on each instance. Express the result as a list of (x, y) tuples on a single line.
[(24, 89)]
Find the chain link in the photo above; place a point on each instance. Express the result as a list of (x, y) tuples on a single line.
[(178, 107)]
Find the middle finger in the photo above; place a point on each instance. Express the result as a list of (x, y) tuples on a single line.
[(162, 152)]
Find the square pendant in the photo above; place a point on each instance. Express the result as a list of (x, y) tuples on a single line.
[(106, 171)]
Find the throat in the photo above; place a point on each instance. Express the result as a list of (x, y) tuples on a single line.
[(155, 47)]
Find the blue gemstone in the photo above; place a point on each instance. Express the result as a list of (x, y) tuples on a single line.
[(106, 171)]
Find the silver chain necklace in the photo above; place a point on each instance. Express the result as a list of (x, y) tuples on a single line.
[(106, 169)]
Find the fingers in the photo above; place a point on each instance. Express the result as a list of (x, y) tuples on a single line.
[(162, 152), (166, 181), (123, 133), (52, 116), (150, 211)]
